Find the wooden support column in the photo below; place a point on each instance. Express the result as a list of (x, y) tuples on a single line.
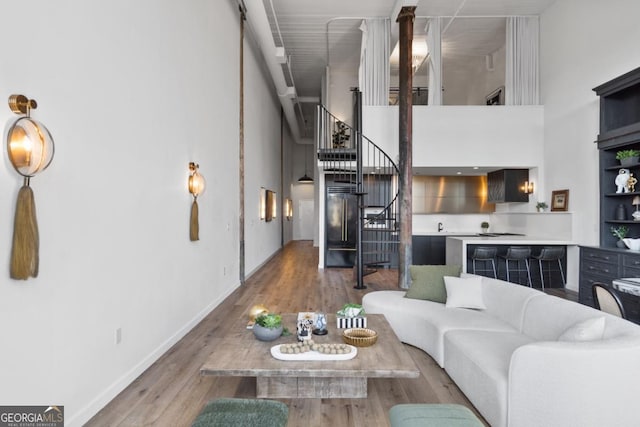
[(405, 104), (241, 254)]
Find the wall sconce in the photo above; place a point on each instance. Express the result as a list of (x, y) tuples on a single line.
[(30, 149), (527, 187), (197, 185), (273, 202), (263, 203), (288, 209), (268, 205)]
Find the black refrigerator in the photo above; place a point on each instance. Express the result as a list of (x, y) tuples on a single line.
[(341, 222)]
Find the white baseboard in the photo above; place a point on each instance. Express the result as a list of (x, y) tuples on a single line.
[(100, 401)]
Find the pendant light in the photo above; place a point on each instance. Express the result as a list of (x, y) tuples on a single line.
[(305, 179)]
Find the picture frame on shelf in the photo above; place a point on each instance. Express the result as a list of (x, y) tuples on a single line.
[(559, 200)]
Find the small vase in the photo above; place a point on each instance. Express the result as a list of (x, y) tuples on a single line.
[(266, 334), (621, 213), (621, 244)]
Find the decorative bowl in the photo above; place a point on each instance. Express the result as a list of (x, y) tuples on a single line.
[(633, 244), (267, 334), (360, 337)]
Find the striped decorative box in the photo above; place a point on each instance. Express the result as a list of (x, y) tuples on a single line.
[(351, 322)]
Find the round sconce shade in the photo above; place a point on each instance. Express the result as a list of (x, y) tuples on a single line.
[(29, 146), (197, 183)]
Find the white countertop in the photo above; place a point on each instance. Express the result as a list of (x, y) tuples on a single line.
[(444, 233), (510, 240)]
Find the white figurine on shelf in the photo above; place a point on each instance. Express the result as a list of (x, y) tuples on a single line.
[(622, 181)]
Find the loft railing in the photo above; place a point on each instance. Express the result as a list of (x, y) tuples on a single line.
[(356, 162)]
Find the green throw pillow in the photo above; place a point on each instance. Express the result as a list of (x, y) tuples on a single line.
[(427, 281)]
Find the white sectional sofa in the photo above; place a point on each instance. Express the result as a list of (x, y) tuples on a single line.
[(526, 360)]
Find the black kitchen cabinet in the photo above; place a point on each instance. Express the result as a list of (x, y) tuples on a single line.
[(506, 185), (429, 250)]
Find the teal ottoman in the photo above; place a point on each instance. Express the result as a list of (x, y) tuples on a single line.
[(232, 412), (432, 415)]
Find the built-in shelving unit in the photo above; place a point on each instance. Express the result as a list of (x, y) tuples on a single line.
[(619, 130)]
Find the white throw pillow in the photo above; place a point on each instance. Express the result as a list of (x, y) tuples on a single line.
[(586, 330), (464, 293)]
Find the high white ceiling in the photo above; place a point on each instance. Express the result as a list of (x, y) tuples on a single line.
[(317, 33)]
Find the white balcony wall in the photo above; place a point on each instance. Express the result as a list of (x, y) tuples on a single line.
[(463, 136)]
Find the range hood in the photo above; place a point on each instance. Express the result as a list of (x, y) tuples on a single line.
[(450, 195)]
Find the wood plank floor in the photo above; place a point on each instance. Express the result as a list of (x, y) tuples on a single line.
[(172, 392)]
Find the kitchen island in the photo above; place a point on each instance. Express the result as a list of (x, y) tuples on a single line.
[(459, 249)]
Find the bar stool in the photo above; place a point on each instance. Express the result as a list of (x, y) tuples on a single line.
[(550, 254), (485, 255), (517, 254)]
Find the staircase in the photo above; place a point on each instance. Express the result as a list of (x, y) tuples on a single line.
[(354, 164)]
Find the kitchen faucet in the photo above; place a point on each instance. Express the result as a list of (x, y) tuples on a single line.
[(440, 227)]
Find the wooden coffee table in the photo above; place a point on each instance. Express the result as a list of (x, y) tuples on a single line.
[(241, 354)]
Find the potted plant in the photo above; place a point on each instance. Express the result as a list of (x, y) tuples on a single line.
[(628, 157), (340, 135), (485, 226), (268, 326), (541, 206), (620, 232)]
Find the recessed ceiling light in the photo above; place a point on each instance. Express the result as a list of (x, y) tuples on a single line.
[(459, 173), (476, 168)]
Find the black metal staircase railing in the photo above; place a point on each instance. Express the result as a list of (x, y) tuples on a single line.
[(352, 161)]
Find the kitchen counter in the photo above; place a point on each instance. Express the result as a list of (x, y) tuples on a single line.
[(457, 249), (444, 233)]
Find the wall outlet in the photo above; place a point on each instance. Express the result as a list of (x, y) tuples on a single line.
[(118, 336)]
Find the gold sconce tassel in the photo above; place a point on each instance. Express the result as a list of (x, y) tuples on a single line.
[(194, 227), (196, 187), (26, 240)]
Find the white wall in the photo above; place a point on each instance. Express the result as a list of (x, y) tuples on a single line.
[(131, 91), (263, 159), (583, 43), (505, 136), (340, 95)]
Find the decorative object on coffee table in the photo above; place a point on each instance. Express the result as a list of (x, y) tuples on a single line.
[(360, 337), (351, 316), (254, 312), (316, 351), (304, 325), (320, 324), (268, 327)]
